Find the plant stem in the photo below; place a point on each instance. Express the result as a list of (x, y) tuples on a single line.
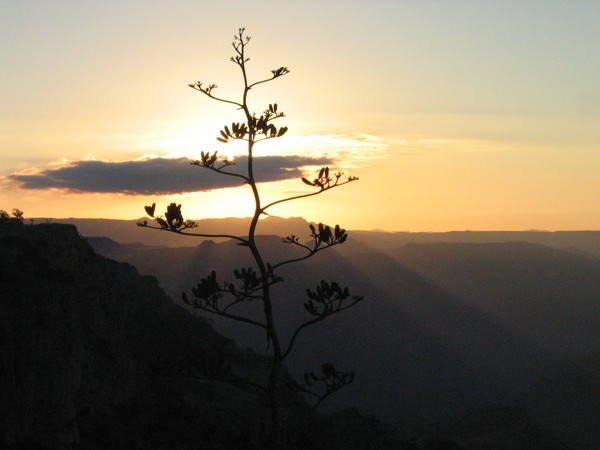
[(274, 440)]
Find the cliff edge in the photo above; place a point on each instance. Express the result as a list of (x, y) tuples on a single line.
[(93, 355)]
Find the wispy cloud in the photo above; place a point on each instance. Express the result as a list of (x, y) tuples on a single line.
[(157, 176), (348, 148), (167, 171), (345, 148)]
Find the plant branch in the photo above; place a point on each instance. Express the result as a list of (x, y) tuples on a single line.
[(332, 380), (144, 224), (222, 313), (323, 237), (220, 170), (297, 197), (265, 80), (300, 328), (207, 91), (308, 323), (302, 258), (235, 381), (259, 288)]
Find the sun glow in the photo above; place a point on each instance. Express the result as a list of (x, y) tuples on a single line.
[(352, 149), (458, 132), (218, 203)]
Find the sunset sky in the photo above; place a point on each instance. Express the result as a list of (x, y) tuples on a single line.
[(455, 115)]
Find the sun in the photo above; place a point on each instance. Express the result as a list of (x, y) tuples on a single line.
[(218, 203)]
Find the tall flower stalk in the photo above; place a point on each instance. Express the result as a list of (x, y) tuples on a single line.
[(254, 283)]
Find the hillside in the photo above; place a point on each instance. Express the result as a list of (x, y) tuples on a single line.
[(425, 350), (542, 294), (93, 355), (97, 356), (566, 400)]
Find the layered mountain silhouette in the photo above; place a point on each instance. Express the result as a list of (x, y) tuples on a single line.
[(447, 328), (459, 344), (125, 231), (95, 356)]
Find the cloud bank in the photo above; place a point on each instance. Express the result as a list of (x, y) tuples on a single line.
[(159, 176)]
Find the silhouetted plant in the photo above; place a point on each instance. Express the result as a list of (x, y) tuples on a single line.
[(254, 283), (16, 215)]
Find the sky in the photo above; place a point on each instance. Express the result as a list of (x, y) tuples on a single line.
[(455, 115)]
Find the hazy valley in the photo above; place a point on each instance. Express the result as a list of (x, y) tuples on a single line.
[(452, 322), (484, 340)]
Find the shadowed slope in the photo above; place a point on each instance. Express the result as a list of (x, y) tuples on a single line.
[(418, 351), (92, 354), (542, 294)]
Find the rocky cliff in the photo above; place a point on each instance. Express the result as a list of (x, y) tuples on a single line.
[(93, 355)]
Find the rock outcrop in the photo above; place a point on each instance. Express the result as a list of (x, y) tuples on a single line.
[(93, 355)]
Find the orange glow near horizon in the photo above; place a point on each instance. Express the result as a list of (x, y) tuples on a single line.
[(408, 196), (490, 126)]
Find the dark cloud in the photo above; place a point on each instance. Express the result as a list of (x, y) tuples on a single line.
[(159, 176)]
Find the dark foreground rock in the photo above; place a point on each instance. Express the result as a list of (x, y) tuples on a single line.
[(92, 355), (95, 356)]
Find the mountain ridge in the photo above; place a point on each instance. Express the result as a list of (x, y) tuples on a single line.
[(416, 343), (126, 231), (74, 272)]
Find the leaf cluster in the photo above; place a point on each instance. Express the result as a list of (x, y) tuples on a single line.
[(198, 85), (324, 181), (261, 125), (330, 380), (323, 235), (173, 220), (329, 298), (279, 72), (208, 288), (208, 160), (209, 292), (249, 278), (237, 131)]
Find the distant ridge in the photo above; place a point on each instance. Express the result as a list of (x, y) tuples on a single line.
[(127, 232), (585, 242)]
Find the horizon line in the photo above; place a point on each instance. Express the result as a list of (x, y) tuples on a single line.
[(374, 230)]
